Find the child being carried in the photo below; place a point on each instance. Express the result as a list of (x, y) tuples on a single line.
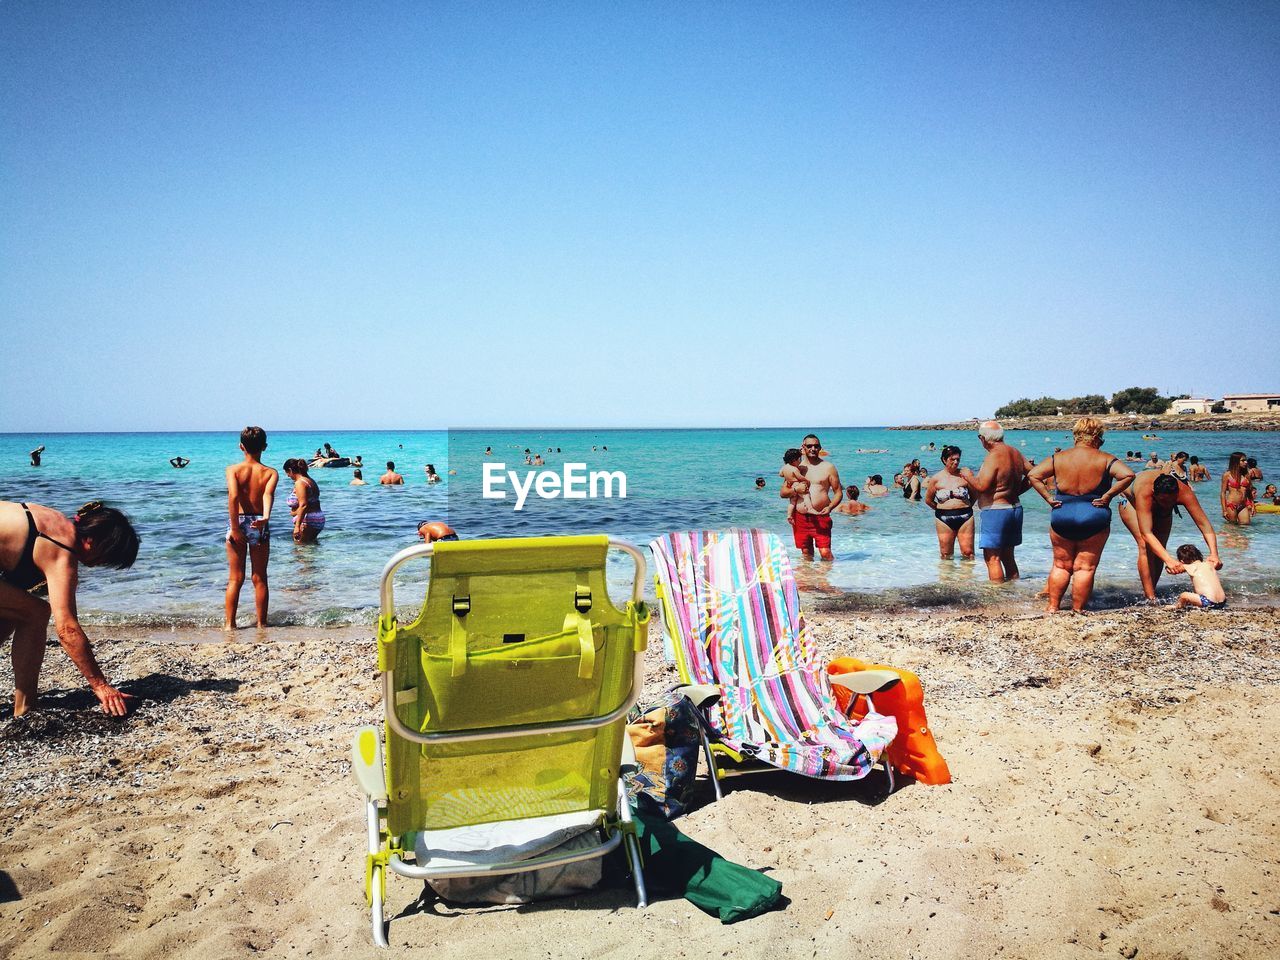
[(792, 474)]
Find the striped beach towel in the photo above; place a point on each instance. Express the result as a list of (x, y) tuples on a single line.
[(731, 599)]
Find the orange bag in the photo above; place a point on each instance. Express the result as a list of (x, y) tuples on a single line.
[(913, 751)]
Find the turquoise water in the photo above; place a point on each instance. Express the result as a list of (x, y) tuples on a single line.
[(676, 479)]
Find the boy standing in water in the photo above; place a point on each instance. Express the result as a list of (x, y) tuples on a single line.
[(251, 490)]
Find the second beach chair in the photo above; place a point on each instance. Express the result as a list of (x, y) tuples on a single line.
[(732, 613)]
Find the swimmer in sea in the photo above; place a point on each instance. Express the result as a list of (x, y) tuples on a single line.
[(432, 476), (1199, 472), (251, 490), (435, 531), (1080, 522), (179, 462), (304, 502), (948, 495), (391, 478), (875, 487), (36, 454), (850, 504), (357, 479), (759, 483)]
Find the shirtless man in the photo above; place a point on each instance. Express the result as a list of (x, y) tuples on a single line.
[(40, 552), (391, 478), (999, 483), (251, 491), (813, 515), (1147, 510)]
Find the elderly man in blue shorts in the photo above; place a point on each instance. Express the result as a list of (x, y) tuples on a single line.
[(999, 483)]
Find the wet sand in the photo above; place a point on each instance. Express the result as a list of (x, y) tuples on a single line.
[(1116, 793)]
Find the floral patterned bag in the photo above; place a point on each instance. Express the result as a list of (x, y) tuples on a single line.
[(666, 741)]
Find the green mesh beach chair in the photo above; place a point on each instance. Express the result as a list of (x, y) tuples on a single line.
[(505, 704)]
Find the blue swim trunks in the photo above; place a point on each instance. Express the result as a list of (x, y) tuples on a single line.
[(998, 529), (1207, 604), (254, 536)]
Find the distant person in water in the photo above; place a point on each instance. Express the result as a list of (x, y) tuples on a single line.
[(948, 495), (760, 483), (1153, 462), (999, 485), (1255, 472), (432, 476), (875, 486), (179, 462), (1269, 494), (1206, 589), (40, 552), (358, 461), (1147, 510), (435, 531), (1177, 467), (1199, 472), (357, 479), (36, 454), (850, 505), (391, 478), (1086, 480), (304, 502), (812, 527), (251, 491), (330, 453), (1236, 491)]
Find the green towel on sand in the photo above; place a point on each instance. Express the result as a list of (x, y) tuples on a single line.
[(674, 864)]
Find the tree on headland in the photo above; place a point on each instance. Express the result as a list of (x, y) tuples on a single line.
[(1140, 400), (1129, 400)]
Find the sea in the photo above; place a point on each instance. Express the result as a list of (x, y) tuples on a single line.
[(886, 558)]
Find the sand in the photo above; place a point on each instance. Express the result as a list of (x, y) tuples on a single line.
[(1117, 782)]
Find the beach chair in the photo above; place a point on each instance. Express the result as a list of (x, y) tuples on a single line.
[(731, 612), (505, 709)]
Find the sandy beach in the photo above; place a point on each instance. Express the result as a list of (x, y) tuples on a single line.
[(1116, 787)]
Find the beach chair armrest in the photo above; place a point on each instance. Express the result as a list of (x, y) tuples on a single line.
[(866, 682), (700, 694), (366, 763)]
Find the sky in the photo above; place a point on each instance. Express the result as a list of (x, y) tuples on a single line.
[(422, 215)]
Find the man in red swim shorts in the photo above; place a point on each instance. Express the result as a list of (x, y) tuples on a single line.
[(812, 518)]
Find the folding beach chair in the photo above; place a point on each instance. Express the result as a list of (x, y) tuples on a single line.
[(505, 704), (732, 615)]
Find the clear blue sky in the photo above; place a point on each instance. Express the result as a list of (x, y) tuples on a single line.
[(428, 215)]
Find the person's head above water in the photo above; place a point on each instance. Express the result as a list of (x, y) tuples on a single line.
[(1187, 553), (254, 440), (877, 480), (851, 491), (1088, 431), (107, 536), (759, 483), (391, 464), (948, 452), (990, 431)]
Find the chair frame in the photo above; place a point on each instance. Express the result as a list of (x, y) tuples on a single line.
[(370, 770)]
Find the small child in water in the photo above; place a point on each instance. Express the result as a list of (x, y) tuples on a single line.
[(791, 473), (1208, 594)]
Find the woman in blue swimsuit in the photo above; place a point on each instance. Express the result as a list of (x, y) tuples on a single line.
[(1080, 522)]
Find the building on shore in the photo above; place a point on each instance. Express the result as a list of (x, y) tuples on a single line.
[(1252, 402), (1192, 405)]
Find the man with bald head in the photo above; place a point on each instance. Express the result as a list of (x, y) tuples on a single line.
[(999, 484)]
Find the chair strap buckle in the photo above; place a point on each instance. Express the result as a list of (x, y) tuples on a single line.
[(461, 606), (582, 599)]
